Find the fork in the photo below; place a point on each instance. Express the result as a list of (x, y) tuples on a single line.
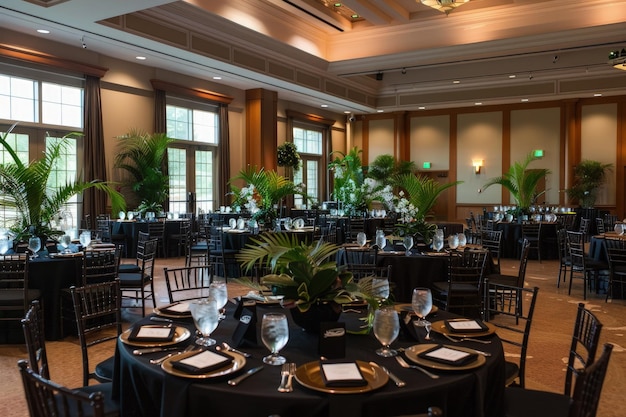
[(169, 355), (284, 378), (404, 364), (466, 339), (292, 372)]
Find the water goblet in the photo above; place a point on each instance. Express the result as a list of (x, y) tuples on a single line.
[(437, 243), (34, 245), (462, 240), (122, 215), (85, 238), (130, 215), (361, 239), (5, 243), (386, 330), (453, 241), (65, 242), (422, 303), (380, 289), (408, 244), (219, 292), (206, 318), (274, 334), (381, 240)]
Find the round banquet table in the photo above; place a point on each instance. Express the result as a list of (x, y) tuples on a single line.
[(146, 390)]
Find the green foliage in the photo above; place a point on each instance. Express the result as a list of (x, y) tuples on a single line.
[(521, 182), (301, 272), (588, 177), (348, 180), (385, 167), (288, 155), (141, 154), (25, 187)]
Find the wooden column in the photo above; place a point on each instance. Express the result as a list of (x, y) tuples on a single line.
[(261, 128)]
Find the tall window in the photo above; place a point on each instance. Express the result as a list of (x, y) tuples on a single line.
[(308, 141), (48, 107), (191, 159)]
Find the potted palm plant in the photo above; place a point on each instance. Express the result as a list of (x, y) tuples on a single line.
[(141, 154), (312, 284), (521, 183), (588, 177), (25, 187)]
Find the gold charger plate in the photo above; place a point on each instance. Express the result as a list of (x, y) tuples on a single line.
[(413, 352), (159, 312), (309, 375), (440, 327), (408, 307), (237, 364), (180, 335)]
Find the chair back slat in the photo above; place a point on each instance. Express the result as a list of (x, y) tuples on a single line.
[(585, 338)]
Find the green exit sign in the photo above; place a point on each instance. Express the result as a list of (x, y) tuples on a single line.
[(426, 165), (539, 153)]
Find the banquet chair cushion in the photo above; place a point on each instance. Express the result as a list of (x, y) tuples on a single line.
[(111, 407), (104, 370), (128, 268), (521, 402), (133, 279), (16, 297), (457, 287)]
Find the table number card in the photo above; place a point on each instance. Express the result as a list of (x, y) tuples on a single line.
[(152, 334), (332, 340), (461, 326), (449, 356), (203, 362), (345, 374)]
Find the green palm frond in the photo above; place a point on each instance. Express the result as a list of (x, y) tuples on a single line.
[(422, 191), (520, 181), (26, 188)]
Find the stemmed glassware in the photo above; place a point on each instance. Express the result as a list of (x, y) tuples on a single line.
[(462, 240), (381, 240), (65, 242), (422, 303), (361, 239), (386, 330), (130, 215), (5, 243), (34, 245), (85, 238), (219, 292), (122, 215), (408, 244), (453, 242), (274, 334), (437, 243), (380, 289), (206, 318)]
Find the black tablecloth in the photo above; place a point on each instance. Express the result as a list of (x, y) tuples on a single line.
[(512, 233), (146, 390), (132, 228), (413, 271)]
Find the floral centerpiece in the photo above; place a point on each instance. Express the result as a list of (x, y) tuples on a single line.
[(263, 193)]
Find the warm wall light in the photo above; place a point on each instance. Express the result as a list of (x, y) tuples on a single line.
[(477, 164)]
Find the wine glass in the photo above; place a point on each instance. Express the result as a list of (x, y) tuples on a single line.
[(361, 239), (85, 238), (122, 215), (219, 292), (386, 330), (130, 215), (462, 240), (65, 242), (408, 244), (380, 289), (437, 243), (34, 245), (381, 240), (453, 241), (422, 303), (206, 318), (274, 334)]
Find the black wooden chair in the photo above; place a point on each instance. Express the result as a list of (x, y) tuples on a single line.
[(137, 282), (617, 267), (15, 296), (188, 283), (582, 266)]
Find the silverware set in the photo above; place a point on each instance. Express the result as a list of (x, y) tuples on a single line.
[(286, 375), (162, 359), (465, 339), (225, 346), (404, 364)]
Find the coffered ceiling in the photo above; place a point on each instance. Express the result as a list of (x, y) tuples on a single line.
[(395, 55)]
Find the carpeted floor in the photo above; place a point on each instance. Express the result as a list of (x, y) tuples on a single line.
[(549, 342)]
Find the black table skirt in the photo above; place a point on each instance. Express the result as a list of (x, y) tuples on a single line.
[(413, 271), (512, 233), (145, 390)]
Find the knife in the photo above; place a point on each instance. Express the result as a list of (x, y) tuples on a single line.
[(140, 352), (399, 383), (480, 352), (243, 376)]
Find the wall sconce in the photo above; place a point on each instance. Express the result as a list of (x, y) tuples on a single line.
[(477, 164)]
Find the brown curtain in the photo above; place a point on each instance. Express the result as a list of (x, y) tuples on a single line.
[(224, 156), (94, 201)]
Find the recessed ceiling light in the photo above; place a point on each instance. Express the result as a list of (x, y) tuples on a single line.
[(421, 108), (456, 82), (44, 31), (380, 111), (337, 4), (512, 76), (478, 104), (141, 58), (524, 100), (355, 16), (347, 111), (324, 105), (597, 95), (217, 77)]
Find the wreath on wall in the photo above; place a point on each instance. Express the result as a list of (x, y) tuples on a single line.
[(288, 156)]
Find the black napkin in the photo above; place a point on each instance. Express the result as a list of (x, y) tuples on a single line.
[(152, 333), (169, 310), (347, 374), (482, 326), (465, 357), (202, 363)]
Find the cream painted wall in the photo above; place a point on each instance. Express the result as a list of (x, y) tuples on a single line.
[(479, 136), (380, 139), (430, 141), (598, 143), (538, 129)]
